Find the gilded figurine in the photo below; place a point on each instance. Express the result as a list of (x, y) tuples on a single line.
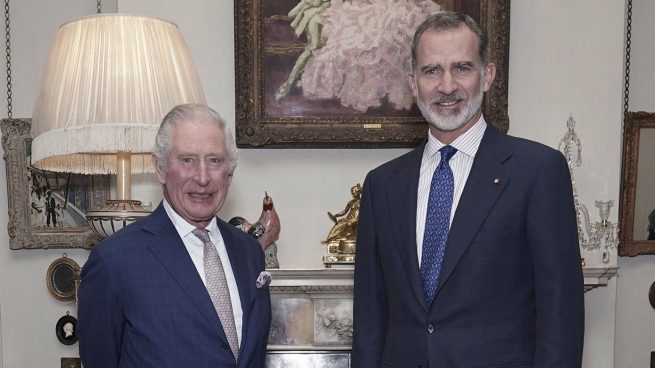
[(342, 236)]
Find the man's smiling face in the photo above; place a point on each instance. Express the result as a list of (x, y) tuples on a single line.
[(197, 178), (449, 80)]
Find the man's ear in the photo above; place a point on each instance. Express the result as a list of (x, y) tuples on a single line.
[(159, 172), (412, 84), (489, 76)]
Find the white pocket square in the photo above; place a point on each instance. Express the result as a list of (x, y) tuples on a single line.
[(264, 279)]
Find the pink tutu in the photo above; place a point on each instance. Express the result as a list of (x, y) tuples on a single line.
[(367, 53)]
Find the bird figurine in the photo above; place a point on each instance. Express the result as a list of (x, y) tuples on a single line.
[(266, 230)]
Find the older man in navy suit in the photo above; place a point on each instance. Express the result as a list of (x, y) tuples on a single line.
[(180, 288), (467, 248)]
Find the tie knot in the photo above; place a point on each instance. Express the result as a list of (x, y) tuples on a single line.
[(202, 234), (447, 153)]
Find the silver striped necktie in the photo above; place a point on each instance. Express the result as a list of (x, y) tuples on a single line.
[(218, 290)]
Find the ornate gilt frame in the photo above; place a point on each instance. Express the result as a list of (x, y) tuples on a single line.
[(53, 282), (634, 123), (256, 130), (22, 235)]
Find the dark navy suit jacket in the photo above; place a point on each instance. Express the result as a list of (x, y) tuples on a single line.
[(510, 291), (143, 304)]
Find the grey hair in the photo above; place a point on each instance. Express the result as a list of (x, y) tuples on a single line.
[(449, 20), (186, 112)]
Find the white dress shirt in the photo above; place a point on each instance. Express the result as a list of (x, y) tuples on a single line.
[(467, 146), (195, 247)]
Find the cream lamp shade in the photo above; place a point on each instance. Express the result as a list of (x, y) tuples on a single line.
[(108, 81)]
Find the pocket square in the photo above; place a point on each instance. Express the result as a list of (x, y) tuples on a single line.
[(264, 279)]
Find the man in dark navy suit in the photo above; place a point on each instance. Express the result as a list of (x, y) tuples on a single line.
[(467, 247), (180, 288)]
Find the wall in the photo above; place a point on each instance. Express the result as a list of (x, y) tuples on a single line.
[(29, 312), (566, 57)]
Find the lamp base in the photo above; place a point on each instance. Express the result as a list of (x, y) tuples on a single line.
[(115, 215)]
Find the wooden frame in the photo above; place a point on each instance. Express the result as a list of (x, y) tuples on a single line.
[(92, 191), (638, 176), (261, 122), (66, 330)]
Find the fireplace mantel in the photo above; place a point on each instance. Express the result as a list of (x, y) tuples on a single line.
[(312, 315)]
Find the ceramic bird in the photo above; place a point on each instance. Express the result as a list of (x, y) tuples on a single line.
[(266, 230), (271, 222)]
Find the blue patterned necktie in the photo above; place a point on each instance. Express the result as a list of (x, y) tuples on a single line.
[(437, 223)]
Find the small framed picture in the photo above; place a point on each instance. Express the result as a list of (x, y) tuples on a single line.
[(61, 277), (66, 329)]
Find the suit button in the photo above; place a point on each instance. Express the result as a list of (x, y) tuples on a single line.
[(430, 328)]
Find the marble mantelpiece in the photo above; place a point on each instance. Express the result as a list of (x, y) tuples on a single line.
[(312, 309), (312, 315), (312, 318)]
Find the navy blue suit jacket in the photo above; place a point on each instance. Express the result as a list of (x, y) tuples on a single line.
[(510, 291), (142, 302)]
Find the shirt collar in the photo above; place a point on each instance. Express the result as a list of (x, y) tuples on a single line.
[(466, 143), (183, 227)]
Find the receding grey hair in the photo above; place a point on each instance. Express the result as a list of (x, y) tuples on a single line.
[(448, 20), (186, 112)]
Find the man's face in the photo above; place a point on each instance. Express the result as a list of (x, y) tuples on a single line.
[(448, 81), (198, 177)]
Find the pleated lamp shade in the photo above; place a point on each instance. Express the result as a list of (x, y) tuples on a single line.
[(108, 81)]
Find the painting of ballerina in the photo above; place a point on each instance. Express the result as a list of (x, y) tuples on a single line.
[(334, 73)]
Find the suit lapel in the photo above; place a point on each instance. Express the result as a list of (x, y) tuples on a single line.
[(478, 198), (402, 196), (169, 249)]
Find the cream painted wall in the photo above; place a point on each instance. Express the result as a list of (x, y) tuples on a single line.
[(28, 311), (566, 57)]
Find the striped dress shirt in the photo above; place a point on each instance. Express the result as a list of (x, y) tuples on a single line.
[(467, 146)]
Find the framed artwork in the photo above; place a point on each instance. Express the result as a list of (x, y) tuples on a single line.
[(333, 73), (66, 329), (46, 210), (61, 278), (637, 210)]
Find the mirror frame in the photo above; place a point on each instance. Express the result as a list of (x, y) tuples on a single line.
[(51, 282), (633, 123)]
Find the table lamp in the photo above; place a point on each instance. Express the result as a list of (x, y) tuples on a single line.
[(108, 81)]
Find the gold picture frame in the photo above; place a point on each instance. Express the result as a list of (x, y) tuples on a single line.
[(61, 278), (28, 226), (637, 207), (265, 52)]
